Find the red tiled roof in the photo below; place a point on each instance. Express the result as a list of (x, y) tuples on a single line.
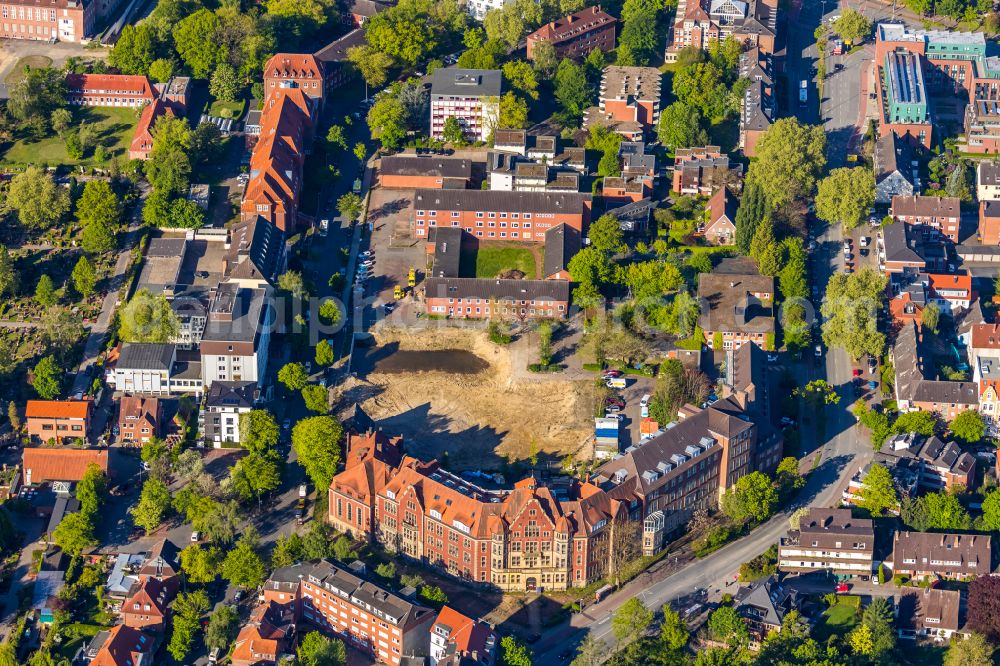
[(118, 83), (58, 464), (986, 336), (142, 138), (123, 647), (293, 65), (467, 634), (956, 282), (57, 409), (152, 596)]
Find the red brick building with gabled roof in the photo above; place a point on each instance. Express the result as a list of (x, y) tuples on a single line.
[(142, 140), (122, 646), (295, 70), (576, 35), (266, 636), (138, 419), (148, 603), (58, 419), (458, 639), (276, 163), (40, 465), (109, 90)]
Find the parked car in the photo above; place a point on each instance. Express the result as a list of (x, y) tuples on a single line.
[(772, 358), (787, 421), (611, 374), (842, 588), (847, 245), (195, 536), (865, 241), (368, 263), (367, 254), (614, 401), (819, 351), (864, 252), (857, 372)]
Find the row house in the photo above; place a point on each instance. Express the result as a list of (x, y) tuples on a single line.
[(942, 214), (829, 540), (483, 298), (915, 391), (932, 555), (984, 357), (703, 171), (720, 220), (904, 252), (340, 599), (928, 613), (576, 35), (989, 222), (109, 90), (471, 96), (61, 420), (757, 108), (138, 419), (988, 181), (896, 172), (499, 215), (739, 305)]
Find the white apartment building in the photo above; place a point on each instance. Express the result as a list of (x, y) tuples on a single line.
[(472, 96)]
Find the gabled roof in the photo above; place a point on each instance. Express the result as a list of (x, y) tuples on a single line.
[(231, 395), (60, 464), (562, 242), (293, 65), (930, 609), (58, 409), (722, 203), (93, 84), (463, 634), (146, 356), (142, 138), (150, 597), (255, 249), (266, 633), (124, 646), (163, 560), (920, 206)]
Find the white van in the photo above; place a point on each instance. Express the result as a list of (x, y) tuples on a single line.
[(644, 405), (617, 383)]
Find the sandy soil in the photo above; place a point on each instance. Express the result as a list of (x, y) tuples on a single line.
[(479, 417)]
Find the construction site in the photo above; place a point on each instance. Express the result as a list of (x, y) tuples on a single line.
[(454, 394)]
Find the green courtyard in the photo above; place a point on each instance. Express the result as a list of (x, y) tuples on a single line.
[(491, 260), (115, 127)]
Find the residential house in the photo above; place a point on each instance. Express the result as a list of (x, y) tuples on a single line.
[(337, 68), (923, 612), (930, 555), (703, 171), (267, 636), (984, 357), (520, 216), (142, 140), (138, 419), (234, 346), (988, 181), (430, 172), (511, 141), (628, 94), (989, 222), (60, 465), (757, 108), (561, 245), (720, 222), (895, 169), (340, 598), (255, 255), (121, 646), (295, 70), (908, 305), (479, 8), (153, 368), (457, 640), (941, 213), (902, 93), (904, 251), (739, 305), (576, 35), (362, 10), (829, 540), (471, 96), (763, 606), (60, 420), (952, 293), (698, 23), (915, 391), (225, 402), (620, 190), (147, 606)]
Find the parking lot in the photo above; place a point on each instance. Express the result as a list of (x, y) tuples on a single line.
[(396, 251)]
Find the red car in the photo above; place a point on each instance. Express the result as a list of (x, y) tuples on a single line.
[(611, 374), (857, 372), (842, 588)]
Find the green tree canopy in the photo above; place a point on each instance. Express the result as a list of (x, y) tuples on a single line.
[(293, 376), (968, 427), (315, 649), (846, 196), (200, 564), (790, 157), (243, 566), (135, 50), (47, 377), (630, 620), (153, 506), (726, 625), (316, 441), (852, 25), (850, 312), (258, 431), (196, 43), (878, 492), (681, 127), (753, 497), (148, 318), (39, 202), (75, 533), (222, 628), (84, 277)]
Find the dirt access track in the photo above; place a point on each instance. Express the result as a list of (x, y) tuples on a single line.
[(448, 390)]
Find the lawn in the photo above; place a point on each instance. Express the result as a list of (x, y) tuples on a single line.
[(233, 110), (32, 61), (838, 620), (494, 260), (115, 129)]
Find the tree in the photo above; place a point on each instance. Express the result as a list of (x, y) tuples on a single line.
[(194, 39), (38, 93), (545, 59), (726, 625), (8, 274), (316, 398), (387, 121), (61, 120), (13, 417), (991, 511), (850, 312), (513, 112), (681, 127), (572, 90), (154, 503), (47, 377), (99, 211), (200, 565), (186, 214), (846, 196), (287, 551), (922, 423), (222, 628), (45, 292), (259, 431), (630, 620), (521, 77), (256, 475), (819, 392), (878, 617), (350, 206), (675, 387), (292, 282), (638, 38), (590, 652), (673, 631), (944, 512), (224, 84), (188, 608), (515, 653), (134, 51), (606, 234), (293, 376), (91, 490), (84, 279), (930, 316), (751, 213), (315, 649), (316, 441), (968, 427), (852, 25), (360, 151), (702, 86), (790, 157), (160, 70), (324, 353), (75, 533), (878, 492), (39, 202), (372, 64), (453, 132), (243, 566), (590, 266), (752, 497), (765, 249), (148, 318), (792, 276), (861, 641), (983, 608), (329, 312), (975, 650)]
